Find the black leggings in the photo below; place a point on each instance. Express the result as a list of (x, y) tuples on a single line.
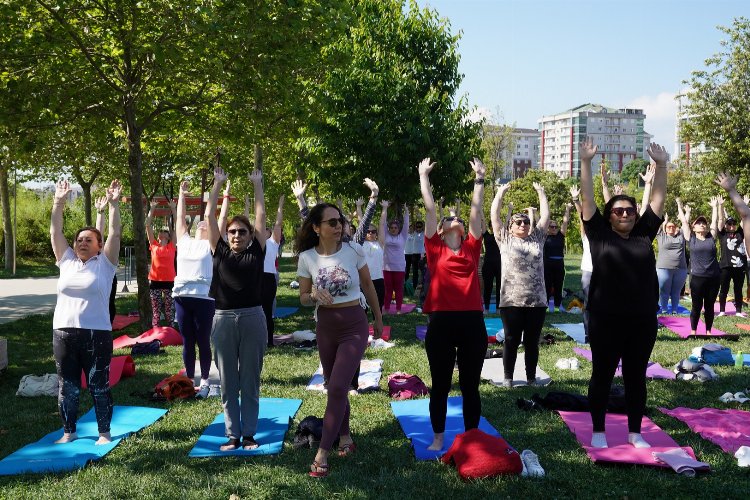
[(526, 323), (491, 272), (267, 296), (112, 294), (703, 292), (614, 337), (79, 350), (554, 276), (737, 276), (455, 336)]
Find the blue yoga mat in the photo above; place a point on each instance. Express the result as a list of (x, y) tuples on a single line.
[(283, 312), (273, 422), (494, 326), (414, 417), (46, 456)]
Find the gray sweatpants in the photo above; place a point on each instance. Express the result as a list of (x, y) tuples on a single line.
[(239, 341)]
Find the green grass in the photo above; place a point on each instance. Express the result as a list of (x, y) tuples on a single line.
[(154, 463), (31, 268)]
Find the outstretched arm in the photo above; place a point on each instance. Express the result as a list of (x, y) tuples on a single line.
[(495, 208), (364, 221), (605, 182), (180, 226), (59, 243), (477, 197), (683, 213), (648, 181), (430, 214), (298, 189), (566, 219), (256, 178), (659, 185), (278, 225), (112, 245), (101, 205), (720, 212), (729, 184), (225, 201), (150, 223), (213, 225), (714, 218), (543, 207), (383, 222), (586, 151)]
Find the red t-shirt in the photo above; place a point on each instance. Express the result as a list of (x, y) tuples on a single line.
[(454, 278), (162, 262)]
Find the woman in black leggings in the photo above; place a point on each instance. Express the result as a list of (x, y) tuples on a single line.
[(554, 258), (704, 268), (624, 292)]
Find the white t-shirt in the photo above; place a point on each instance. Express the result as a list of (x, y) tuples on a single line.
[(586, 263), (272, 251), (411, 239), (374, 258), (419, 243), (195, 268), (337, 273), (83, 292)]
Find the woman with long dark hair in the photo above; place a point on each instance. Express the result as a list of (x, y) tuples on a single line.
[(330, 274)]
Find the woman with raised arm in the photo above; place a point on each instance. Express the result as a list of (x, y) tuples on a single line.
[(456, 332), (239, 328), (270, 285), (491, 268), (334, 278), (81, 329), (394, 261), (671, 265), (523, 298), (554, 259), (101, 206), (194, 308), (624, 292), (729, 184), (733, 260), (704, 266), (162, 271)]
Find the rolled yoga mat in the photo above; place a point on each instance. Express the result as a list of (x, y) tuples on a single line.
[(653, 370), (727, 429), (119, 367), (619, 450), (492, 370), (681, 326), (273, 422), (121, 321), (164, 334), (414, 417), (46, 456), (284, 311), (573, 330), (370, 371)]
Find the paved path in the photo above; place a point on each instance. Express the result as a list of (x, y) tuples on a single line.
[(23, 297)]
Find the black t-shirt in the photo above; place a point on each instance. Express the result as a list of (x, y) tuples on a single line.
[(624, 277), (554, 246), (730, 249), (491, 250), (237, 276), (703, 261)]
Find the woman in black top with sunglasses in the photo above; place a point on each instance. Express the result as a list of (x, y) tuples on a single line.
[(624, 292)]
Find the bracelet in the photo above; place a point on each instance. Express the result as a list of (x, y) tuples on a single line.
[(479, 181)]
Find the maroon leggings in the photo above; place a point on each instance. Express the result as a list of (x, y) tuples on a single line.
[(342, 340), (394, 282)]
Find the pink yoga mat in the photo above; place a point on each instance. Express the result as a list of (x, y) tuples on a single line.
[(653, 370), (405, 308), (681, 326), (728, 429), (728, 308), (166, 334), (119, 367), (619, 450), (121, 321)]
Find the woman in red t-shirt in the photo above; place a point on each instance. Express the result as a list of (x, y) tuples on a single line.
[(162, 272), (456, 332)]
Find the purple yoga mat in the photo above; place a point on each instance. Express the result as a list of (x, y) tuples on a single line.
[(653, 370), (681, 326), (405, 308), (421, 331), (619, 450), (727, 429)]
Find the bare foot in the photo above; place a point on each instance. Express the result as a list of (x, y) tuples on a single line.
[(67, 437), (104, 438), (437, 442)]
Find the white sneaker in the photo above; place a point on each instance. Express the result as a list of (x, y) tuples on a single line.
[(531, 465), (722, 313), (563, 364), (574, 365), (741, 315)]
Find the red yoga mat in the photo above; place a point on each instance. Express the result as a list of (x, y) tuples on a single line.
[(619, 450), (165, 334), (121, 321), (386, 332), (743, 326), (119, 367)]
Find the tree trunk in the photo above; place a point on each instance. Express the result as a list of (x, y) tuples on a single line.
[(135, 165), (258, 157), (7, 222), (86, 187)]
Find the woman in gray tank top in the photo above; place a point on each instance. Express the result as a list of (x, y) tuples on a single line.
[(671, 267)]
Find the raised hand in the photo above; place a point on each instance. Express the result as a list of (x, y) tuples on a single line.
[(587, 149), (219, 176), (575, 192), (687, 210), (359, 202), (256, 176), (374, 190), (649, 175), (226, 188), (604, 173), (425, 167), (172, 205), (298, 188), (62, 189), (478, 167), (538, 187), (658, 153), (713, 202), (617, 189), (100, 203), (184, 188), (385, 204), (114, 191), (568, 206), (153, 205), (503, 188), (282, 199), (726, 181)]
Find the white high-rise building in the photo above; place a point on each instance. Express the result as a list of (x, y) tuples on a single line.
[(525, 151), (685, 151), (617, 132)]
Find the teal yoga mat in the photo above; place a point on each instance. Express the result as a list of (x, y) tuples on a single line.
[(46, 456), (283, 311), (273, 422)]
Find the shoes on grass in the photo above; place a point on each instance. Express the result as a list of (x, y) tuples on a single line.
[(202, 392), (531, 465), (214, 391)]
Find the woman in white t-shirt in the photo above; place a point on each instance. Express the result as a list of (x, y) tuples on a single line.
[(81, 338), (193, 307), (270, 282), (330, 273), (587, 267)]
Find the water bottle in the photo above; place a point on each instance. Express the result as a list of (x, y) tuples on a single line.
[(739, 359)]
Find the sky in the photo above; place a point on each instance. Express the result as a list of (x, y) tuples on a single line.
[(524, 59)]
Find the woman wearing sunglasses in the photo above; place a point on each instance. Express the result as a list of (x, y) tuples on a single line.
[(330, 274), (554, 258), (704, 266), (239, 332), (523, 297), (456, 331), (624, 292)]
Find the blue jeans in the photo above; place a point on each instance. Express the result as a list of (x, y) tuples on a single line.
[(670, 284)]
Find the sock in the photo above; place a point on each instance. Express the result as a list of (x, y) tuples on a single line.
[(598, 440), (637, 440)]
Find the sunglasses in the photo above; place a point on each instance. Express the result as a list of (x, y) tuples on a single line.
[(522, 222), (372, 231), (454, 218), (238, 232), (553, 227), (626, 211), (334, 222)]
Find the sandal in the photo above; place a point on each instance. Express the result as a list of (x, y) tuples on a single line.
[(318, 470), (347, 449), (230, 445), (248, 443)]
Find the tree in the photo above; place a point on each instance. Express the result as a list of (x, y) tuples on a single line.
[(718, 112), (498, 143), (631, 170)]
